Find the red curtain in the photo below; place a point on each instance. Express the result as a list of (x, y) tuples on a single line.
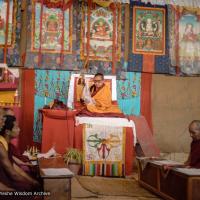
[(27, 97), (148, 63), (146, 81)]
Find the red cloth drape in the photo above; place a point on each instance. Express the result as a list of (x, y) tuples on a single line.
[(26, 134), (146, 81), (148, 63), (58, 130), (145, 137)]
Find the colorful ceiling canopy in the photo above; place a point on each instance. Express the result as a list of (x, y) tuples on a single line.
[(191, 3)]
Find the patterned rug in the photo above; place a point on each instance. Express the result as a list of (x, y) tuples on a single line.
[(113, 187)]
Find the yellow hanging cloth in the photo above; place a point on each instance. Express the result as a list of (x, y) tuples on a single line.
[(103, 3)]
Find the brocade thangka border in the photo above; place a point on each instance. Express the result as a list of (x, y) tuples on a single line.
[(148, 30), (104, 39), (7, 23), (48, 35)]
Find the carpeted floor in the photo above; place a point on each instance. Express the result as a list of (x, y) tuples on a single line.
[(79, 192), (86, 187)]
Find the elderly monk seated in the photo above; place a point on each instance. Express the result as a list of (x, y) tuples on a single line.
[(97, 98), (194, 156)]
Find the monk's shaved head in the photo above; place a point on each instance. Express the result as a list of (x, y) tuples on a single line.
[(194, 129), (196, 122)]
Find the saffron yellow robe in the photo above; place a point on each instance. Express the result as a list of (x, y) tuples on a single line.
[(103, 102), (4, 142)]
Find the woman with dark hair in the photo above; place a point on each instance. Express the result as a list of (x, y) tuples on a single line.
[(10, 174)]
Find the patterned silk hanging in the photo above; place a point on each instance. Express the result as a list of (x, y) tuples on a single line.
[(49, 85)]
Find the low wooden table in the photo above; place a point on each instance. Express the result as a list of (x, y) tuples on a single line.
[(177, 184), (56, 178)]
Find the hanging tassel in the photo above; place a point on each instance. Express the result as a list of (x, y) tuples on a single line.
[(63, 37), (6, 32), (86, 64), (88, 32), (40, 48), (114, 9)]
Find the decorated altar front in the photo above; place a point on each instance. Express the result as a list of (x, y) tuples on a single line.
[(61, 131)]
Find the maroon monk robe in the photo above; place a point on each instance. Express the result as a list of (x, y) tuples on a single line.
[(13, 151), (195, 154)]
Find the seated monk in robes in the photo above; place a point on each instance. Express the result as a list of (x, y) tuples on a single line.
[(99, 99), (194, 156), (10, 174)]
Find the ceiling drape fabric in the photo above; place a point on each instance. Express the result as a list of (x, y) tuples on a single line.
[(191, 3)]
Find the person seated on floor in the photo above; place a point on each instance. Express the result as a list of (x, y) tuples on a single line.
[(99, 98), (12, 175), (19, 159), (194, 156)]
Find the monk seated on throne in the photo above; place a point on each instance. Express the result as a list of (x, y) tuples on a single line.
[(95, 97), (99, 119)]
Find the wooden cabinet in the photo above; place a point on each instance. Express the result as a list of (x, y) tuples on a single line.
[(175, 184), (57, 186)]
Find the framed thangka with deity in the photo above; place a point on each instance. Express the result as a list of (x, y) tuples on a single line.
[(7, 22), (51, 29), (189, 41), (148, 30), (101, 33)]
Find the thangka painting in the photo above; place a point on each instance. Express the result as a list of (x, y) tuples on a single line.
[(104, 37), (189, 42), (7, 22), (148, 30), (103, 150), (51, 29)]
